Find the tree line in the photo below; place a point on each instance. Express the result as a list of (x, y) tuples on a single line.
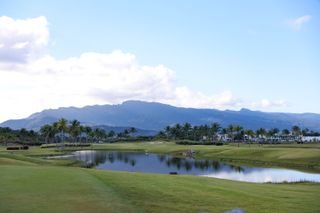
[(62, 131), (8, 135), (73, 131), (215, 131)]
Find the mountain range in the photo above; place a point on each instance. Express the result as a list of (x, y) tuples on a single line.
[(152, 116)]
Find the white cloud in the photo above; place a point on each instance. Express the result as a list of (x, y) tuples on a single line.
[(266, 103), (297, 23), (97, 78), (20, 45), (91, 78), (186, 97), (22, 39)]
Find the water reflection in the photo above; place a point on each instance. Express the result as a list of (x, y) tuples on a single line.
[(159, 163)]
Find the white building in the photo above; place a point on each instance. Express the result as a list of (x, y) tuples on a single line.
[(311, 138)]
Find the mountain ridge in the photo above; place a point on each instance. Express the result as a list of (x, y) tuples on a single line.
[(155, 116)]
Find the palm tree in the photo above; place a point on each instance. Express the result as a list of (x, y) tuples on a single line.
[(196, 133), (126, 133), (88, 131), (261, 132), (249, 133), (273, 131), (75, 129), (215, 128), (62, 126), (132, 130), (92, 135), (100, 134), (204, 131), (238, 129), (55, 130), (82, 130), (230, 131), (285, 132), (224, 131), (111, 134), (161, 135), (47, 131), (177, 131), (296, 131), (305, 131), (239, 133), (186, 130), (168, 131)]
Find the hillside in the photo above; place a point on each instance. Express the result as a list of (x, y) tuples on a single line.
[(155, 116)]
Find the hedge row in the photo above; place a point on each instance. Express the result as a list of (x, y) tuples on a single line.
[(65, 145), (189, 142)]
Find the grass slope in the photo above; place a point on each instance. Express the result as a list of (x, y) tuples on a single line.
[(66, 189), (31, 183)]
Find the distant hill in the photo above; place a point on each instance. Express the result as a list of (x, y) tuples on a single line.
[(156, 116)]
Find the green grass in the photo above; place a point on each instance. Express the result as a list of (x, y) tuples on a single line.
[(69, 189), (31, 183)]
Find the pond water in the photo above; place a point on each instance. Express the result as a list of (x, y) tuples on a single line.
[(165, 164)]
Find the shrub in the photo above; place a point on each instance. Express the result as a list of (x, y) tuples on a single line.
[(65, 145), (218, 143), (24, 147), (13, 148)]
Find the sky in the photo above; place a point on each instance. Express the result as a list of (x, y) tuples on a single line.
[(261, 55)]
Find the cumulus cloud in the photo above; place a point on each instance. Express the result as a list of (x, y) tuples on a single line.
[(29, 84), (95, 78), (21, 40), (297, 23)]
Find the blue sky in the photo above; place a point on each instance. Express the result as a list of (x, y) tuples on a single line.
[(256, 50)]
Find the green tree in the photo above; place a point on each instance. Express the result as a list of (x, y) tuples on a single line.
[(62, 126), (111, 134), (296, 131), (261, 132), (186, 129), (285, 132), (230, 132), (100, 134), (273, 131), (75, 129), (48, 132), (167, 131), (132, 130), (87, 130), (214, 129), (305, 131), (249, 132), (238, 133)]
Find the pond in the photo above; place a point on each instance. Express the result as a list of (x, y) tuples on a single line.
[(166, 164)]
